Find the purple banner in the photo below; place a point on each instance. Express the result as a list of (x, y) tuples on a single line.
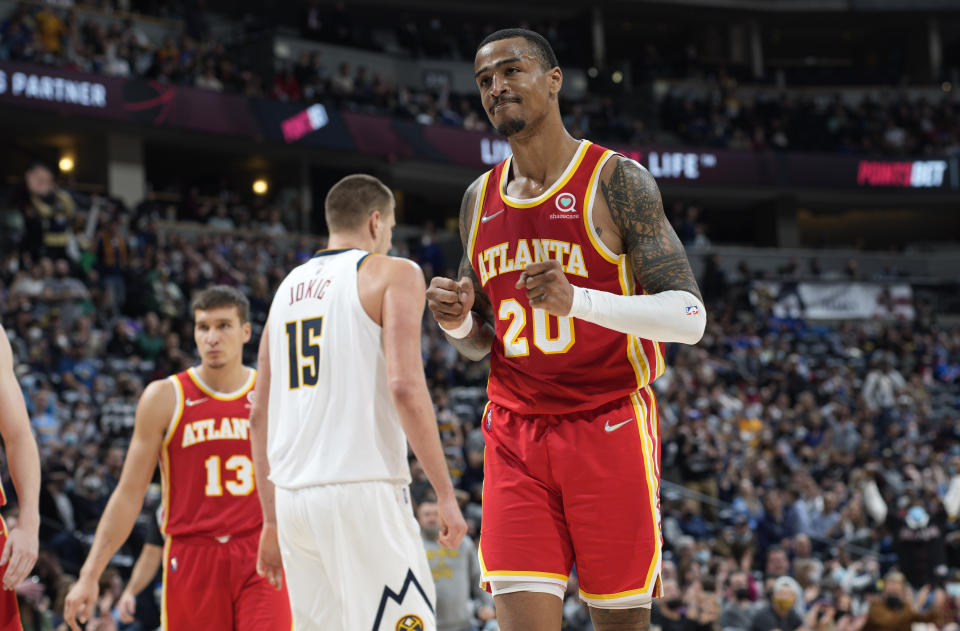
[(147, 102), (158, 104)]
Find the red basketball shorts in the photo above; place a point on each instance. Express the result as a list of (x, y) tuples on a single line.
[(214, 586), (9, 610), (577, 490)]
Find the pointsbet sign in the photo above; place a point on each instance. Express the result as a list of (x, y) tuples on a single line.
[(912, 174)]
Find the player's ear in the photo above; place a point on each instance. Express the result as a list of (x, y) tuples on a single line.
[(373, 224), (246, 332), (555, 78)]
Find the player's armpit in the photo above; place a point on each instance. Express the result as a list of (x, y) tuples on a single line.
[(656, 254)]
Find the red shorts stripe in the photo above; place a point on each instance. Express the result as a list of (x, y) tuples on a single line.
[(576, 490)]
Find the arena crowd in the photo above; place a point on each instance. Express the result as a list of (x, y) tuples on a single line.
[(802, 462)]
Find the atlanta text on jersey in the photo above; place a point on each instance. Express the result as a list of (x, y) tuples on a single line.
[(504, 258), (206, 429)]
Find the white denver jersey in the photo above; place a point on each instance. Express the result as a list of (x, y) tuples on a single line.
[(331, 416)]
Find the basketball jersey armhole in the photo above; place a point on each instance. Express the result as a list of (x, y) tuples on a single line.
[(177, 409), (477, 209), (589, 224), (357, 304)]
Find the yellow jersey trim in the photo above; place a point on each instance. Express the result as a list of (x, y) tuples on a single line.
[(165, 451), (517, 202), (222, 396), (163, 591), (588, 224), (646, 441), (632, 592), (477, 209), (513, 573)]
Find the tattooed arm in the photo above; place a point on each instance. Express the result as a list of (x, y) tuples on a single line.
[(656, 255), (451, 302), (672, 309)]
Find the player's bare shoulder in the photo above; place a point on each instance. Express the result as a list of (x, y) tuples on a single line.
[(628, 194), (381, 273), (392, 270), (157, 405)]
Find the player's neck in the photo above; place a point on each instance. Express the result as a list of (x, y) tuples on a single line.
[(349, 240), (542, 154), (228, 378)]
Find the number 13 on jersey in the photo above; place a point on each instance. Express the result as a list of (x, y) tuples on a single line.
[(303, 351)]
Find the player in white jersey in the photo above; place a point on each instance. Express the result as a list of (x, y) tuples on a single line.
[(340, 390)]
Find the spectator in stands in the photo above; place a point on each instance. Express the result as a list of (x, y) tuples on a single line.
[(456, 574), (668, 612), (895, 609), (882, 384), (781, 612), (737, 610), (53, 206)]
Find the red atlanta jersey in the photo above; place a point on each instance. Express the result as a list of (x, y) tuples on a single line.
[(540, 363), (207, 468), (3, 498)]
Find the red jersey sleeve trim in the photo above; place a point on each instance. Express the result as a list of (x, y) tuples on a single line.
[(477, 209)]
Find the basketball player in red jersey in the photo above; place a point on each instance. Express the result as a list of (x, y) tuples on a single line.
[(19, 546), (197, 424), (572, 279)]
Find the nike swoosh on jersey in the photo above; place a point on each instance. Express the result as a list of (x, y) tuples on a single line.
[(487, 218), (612, 428), (192, 402)]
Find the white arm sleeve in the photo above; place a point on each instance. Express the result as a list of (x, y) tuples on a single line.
[(873, 501), (952, 499), (669, 316)]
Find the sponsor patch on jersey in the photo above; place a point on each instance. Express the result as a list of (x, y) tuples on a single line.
[(692, 310), (565, 202), (410, 622)]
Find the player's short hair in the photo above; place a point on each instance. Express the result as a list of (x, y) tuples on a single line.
[(541, 47), (352, 200), (222, 296)]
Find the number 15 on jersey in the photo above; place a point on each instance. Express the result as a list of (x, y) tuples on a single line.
[(303, 351)]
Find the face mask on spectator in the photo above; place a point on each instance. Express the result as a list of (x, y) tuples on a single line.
[(893, 602), (782, 605), (917, 517), (742, 593), (673, 603), (703, 555)]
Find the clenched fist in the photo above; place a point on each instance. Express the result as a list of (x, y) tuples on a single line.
[(547, 287), (450, 301)]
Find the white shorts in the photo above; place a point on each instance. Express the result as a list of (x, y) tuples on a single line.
[(354, 559)]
